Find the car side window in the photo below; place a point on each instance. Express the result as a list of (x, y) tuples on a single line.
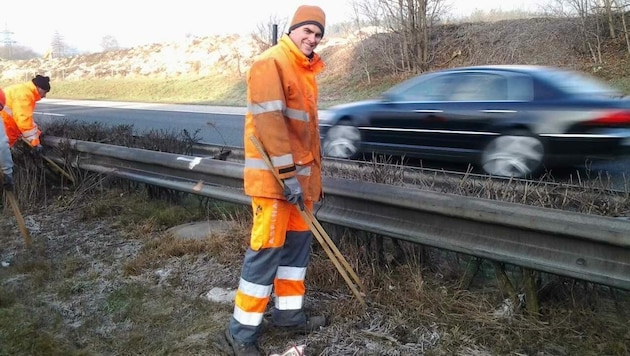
[(480, 87), (521, 88), (470, 87), (433, 89)]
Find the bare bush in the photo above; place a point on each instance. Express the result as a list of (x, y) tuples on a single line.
[(269, 32)]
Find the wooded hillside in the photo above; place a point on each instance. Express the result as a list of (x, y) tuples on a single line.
[(387, 49)]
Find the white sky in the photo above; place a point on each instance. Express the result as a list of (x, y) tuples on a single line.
[(84, 23)]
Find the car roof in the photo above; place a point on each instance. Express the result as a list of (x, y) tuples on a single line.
[(525, 68), (565, 80)]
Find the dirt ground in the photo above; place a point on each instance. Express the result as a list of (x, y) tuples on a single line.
[(76, 292), (104, 278)]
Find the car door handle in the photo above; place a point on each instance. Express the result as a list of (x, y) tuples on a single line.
[(498, 111), (428, 111)]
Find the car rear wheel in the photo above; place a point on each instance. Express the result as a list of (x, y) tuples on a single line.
[(515, 154), (342, 141)]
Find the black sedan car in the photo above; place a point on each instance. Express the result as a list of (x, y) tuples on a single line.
[(507, 120)]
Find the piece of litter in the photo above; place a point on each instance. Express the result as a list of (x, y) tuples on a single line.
[(221, 295), (293, 351), (5, 264)]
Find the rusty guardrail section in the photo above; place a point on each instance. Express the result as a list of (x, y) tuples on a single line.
[(582, 246)]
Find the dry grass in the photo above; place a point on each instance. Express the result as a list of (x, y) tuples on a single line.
[(592, 193), (214, 90), (104, 288), (105, 277)]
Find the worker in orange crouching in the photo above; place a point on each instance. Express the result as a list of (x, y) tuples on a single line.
[(6, 160), (18, 112), (282, 115)]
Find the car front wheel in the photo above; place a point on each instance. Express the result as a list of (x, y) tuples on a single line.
[(517, 155), (342, 141)]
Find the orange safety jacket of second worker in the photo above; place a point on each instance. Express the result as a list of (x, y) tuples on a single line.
[(18, 113), (282, 114)]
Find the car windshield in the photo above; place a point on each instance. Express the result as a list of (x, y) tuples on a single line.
[(574, 82)]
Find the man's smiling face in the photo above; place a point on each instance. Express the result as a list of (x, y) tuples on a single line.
[(306, 38)]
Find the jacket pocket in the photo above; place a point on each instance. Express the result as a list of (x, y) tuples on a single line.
[(303, 158)]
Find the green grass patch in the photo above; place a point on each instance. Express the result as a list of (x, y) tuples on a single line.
[(215, 90), (224, 90), (140, 210), (30, 327)]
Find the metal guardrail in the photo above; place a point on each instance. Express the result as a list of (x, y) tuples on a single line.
[(581, 246)]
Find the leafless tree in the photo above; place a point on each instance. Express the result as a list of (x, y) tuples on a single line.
[(623, 7), (58, 45), (597, 20), (607, 6), (264, 31), (109, 43), (587, 26), (614, 12), (368, 13), (413, 20)]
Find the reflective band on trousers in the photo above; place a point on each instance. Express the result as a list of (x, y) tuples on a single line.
[(289, 303), (253, 289), (245, 318), (291, 273)]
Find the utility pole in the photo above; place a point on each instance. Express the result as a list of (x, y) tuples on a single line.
[(7, 41), (274, 34)]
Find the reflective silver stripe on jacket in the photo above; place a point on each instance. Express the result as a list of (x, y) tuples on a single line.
[(264, 107), (30, 134), (295, 114), (7, 110), (277, 105), (259, 164)]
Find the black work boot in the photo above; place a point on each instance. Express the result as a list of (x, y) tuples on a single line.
[(312, 323), (233, 347)]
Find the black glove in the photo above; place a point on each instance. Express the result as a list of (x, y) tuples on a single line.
[(38, 151), (7, 182), (293, 192)]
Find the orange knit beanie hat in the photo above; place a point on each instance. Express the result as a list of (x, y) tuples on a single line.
[(308, 15)]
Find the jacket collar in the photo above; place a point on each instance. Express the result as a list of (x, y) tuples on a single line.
[(34, 90), (314, 64)]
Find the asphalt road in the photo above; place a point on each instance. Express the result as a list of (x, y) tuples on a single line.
[(224, 126), (215, 125)]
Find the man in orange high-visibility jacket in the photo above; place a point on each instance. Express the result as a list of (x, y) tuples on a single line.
[(18, 111), (282, 114), (6, 160)]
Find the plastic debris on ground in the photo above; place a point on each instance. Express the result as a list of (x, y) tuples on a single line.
[(293, 351), (221, 295)]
